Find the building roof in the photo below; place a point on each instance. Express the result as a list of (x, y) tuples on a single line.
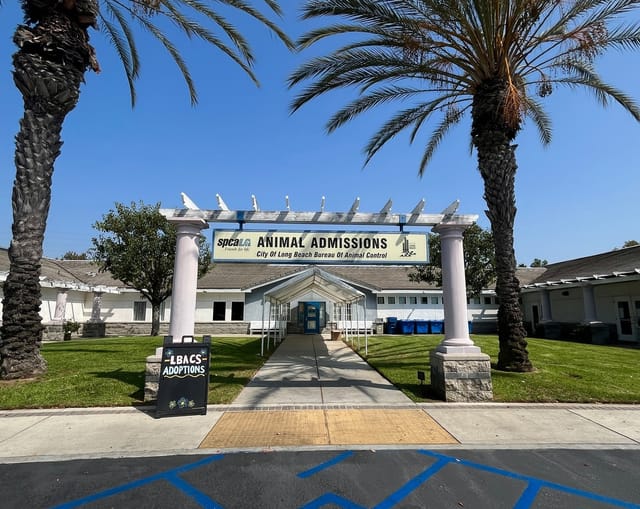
[(85, 274), (75, 274), (623, 262)]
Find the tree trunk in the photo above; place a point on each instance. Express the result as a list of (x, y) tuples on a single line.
[(48, 70), (492, 134), (155, 319)]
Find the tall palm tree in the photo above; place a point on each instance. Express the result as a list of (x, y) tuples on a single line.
[(53, 55), (492, 59)]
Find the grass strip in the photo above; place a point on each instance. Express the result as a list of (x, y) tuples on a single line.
[(110, 372), (565, 372)]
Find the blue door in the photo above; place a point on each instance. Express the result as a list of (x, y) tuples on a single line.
[(312, 318)]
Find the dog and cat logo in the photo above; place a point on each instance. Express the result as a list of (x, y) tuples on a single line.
[(408, 248)]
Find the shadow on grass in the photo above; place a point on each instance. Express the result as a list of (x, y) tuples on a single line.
[(134, 378)]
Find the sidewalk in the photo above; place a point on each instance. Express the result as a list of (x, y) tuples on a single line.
[(314, 393)]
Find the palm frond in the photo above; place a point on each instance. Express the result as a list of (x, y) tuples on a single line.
[(534, 110), (174, 53), (453, 52), (123, 41), (449, 120)]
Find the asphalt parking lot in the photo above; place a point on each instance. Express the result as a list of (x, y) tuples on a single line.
[(352, 479)]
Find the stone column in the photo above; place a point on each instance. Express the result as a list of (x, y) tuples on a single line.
[(454, 288), (96, 307), (589, 304), (185, 277), (598, 332), (61, 305), (546, 306), (183, 296), (459, 370), (95, 327)]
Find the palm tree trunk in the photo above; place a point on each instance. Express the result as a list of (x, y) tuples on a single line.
[(492, 136), (48, 70)]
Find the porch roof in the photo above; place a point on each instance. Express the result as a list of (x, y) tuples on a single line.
[(314, 279)]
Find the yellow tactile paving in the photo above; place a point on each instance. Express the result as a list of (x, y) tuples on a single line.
[(325, 427), (384, 427)]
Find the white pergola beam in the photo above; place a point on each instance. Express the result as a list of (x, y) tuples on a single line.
[(325, 218)]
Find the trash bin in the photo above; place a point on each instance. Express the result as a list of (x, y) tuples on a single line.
[(405, 326), (421, 326), (336, 335), (437, 326), (390, 326)]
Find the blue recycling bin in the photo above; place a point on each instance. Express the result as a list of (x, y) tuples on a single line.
[(421, 326), (437, 326), (405, 326), (470, 326), (390, 326)]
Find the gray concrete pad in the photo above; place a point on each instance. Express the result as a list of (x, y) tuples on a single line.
[(625, 422), (101, 432), (495, 425)]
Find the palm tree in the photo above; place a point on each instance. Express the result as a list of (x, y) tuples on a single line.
[(53, 55), (492, 59)]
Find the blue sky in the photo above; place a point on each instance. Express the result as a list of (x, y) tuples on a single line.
[(577, 197)]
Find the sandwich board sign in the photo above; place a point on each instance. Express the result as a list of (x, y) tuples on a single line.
[(183, 385)]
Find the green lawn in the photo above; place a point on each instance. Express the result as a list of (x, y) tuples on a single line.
[(110, 372), (565, 371)]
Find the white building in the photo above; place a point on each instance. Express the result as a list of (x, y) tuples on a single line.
[(235, 298), (595, 298)]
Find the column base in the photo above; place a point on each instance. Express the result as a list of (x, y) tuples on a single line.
[(96, 329), (460, 377), (152, 377)]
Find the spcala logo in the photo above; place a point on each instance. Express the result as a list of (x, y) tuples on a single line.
[(233, 243)]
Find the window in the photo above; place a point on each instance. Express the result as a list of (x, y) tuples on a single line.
[(413, 300), (476, 300), (391, 300), (380, 300), (162, 310), (237, 311), (487, 300), (402, 300), (347, 311), (435, 300), (219, 310), (424, 300), (139, 310)]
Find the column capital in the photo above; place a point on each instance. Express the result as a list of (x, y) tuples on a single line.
[(450, 229), (189, 224)]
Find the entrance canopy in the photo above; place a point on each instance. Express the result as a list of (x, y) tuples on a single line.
[(317, 280)]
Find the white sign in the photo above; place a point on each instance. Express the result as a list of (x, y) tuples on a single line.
[(319, 247)]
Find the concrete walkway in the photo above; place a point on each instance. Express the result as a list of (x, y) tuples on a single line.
[(308, 370), (313, 384)]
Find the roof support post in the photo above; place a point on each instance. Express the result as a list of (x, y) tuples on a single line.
[(185, 277), (589, 303), (546, 305)]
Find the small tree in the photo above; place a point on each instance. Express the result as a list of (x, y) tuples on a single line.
[(479, 261), (72, 255), (137, 245), (537, 262)]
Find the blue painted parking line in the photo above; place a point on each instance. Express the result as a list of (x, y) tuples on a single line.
[(325, 465), (413, 484), (334, 500), (170, 476), (533, 485)]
